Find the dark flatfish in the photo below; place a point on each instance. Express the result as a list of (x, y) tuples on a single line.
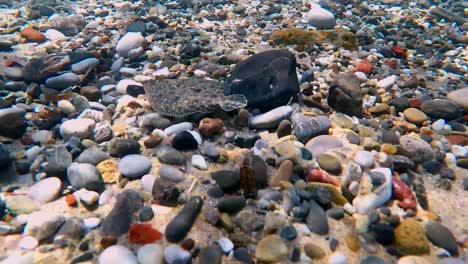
[(183, 97)]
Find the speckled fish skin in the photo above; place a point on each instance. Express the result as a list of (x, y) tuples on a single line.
[(183, 97)]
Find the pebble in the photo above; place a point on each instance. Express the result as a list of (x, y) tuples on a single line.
[(84, 175), (199, 162), (321, 144), (225, 244), (81, 128), (441, 108), (131, 45), (211, 254), (63, 81), (317, 219), (417, 149), (320, 18), (181, 224), (271, 249), (134, 166), (42, 225), (28, 243), (119, 220), (307, 127), (460, 98), (338, 258), (314, 251), (415, 116), (21, 204), (367, 202), (117, 254), (365, 159), (174, 254), (45, 190), (177, 128), (84, 66), (441, 236), (171, 173), (150, 254), (32, 35), (271, 119), (12, 122), (92, 156)]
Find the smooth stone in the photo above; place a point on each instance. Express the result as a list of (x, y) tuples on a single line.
[(329, 163), (271, 248), (13, 73), (117, 254), (45, 190), (370, 201), (42, 225), (413, 260), (150, 254), (53, 34), (42, 136), (211, 254), (120, 218), (288, 232), (199, 162), (85, 175), (92, 156), (28, 243), (134, 166), (388, 82), (307, 127), (147, 182), (123, 85), (174, 254), (271, 119), (181, 224), (185, 140), (130, 45), (226, 244), (317, 220), (84, 66), (284, 129), (231, 204), (415, 116), (171, 173), (106, 196), (81, 128), (345, 95), (284, 173), (314, 251), (242, 254), (410, 238), (451, 261), (88, 198), (373, 260), (12, 122), (177, 128), (460, 97), (171, 156), (338, 258), (267, 79), (441, 236), (70, 230), (57, 161), (417, 149), (364, 158), (441, 108), (323, 143), (320, 18), (62, 81), (227, 180), (246, 139), (21, 204), (145, 214)]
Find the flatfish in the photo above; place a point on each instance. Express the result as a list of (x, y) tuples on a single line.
[(183, 97)]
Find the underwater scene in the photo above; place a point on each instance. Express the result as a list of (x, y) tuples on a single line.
[(233, 131)]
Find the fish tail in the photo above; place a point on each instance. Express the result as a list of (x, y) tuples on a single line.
[(233, 102)]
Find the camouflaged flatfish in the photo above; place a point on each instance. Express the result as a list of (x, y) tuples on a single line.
[(183, 97)]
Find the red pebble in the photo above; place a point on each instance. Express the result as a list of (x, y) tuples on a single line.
[(364, 66), (392, 64), (316, 175), (414, 102), (457, 140), (70, 199), (143, 234), (403, 194), (400, 52)]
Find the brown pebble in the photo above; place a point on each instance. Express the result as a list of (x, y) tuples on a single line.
[(211, 126), (32, 35)]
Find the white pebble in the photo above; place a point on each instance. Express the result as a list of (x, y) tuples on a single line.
[(147, 182), (106, 196), (91, 223), (117, 254), (338, 258), (199, 162), (438, 125), (28, 242), (151, 254), (226, 244)]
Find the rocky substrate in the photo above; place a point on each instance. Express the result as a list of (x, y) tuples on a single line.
[(341, 136)]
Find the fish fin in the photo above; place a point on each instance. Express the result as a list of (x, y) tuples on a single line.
[(233, 102)]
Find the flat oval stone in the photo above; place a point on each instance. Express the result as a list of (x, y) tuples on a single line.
[(272, 118), (117, 254), (62, 81), (134, 166), (181, 224), (45, 190)]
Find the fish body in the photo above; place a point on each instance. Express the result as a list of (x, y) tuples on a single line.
[(183, 97)]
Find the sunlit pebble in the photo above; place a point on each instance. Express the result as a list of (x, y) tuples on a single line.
[(28, 242)]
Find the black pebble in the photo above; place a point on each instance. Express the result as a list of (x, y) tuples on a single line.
[(145, 214), (181, 224)]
